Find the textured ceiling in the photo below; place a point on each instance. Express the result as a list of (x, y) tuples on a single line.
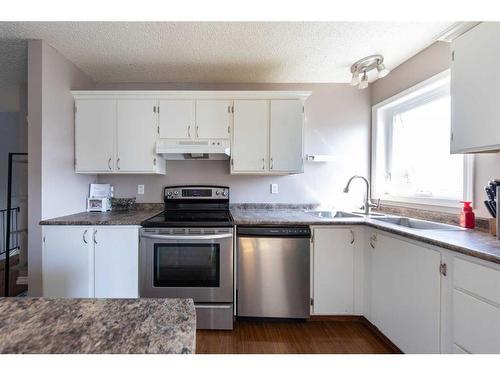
[(226, 51)]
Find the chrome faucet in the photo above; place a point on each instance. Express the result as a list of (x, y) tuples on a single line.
[(368, 204)]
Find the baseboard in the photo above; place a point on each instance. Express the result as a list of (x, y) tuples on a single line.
[(336, 318), (380, 335)]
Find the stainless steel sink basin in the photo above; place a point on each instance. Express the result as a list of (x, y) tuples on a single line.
[(333, 214), (417, 224)]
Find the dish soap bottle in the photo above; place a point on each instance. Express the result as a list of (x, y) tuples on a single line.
[(467, 217)]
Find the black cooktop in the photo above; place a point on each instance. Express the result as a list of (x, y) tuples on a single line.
[(190, 218)]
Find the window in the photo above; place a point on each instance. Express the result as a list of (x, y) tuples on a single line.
[(411, 160)]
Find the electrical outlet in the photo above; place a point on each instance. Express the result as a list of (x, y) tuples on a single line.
[(140, 189), (274, 188)]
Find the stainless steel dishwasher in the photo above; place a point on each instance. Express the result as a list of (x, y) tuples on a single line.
[(273, 272)]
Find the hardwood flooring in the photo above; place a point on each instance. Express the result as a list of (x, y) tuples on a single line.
[(311, 337)]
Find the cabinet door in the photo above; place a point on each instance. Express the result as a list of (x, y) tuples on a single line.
[(286, 136), (333, 271), (177, 119), (68, 262), (405, 294), (475, 90), (250, 136), (136, 135), (213, 118), (94, 135), (116, 262)]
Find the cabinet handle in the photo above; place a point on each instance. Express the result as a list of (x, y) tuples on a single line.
[(272, 164), (154, 161), (118, 163), (352, 236), (84, 237), (228, 109), (263, 163), (94, 237), (197, 136), (373, 238), (189, 131), (109, 163)]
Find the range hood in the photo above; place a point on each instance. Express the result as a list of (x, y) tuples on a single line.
[(205, 149)]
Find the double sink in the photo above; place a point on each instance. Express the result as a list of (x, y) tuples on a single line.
[(394, 220)]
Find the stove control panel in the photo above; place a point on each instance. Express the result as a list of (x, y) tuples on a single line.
[(197, 192)]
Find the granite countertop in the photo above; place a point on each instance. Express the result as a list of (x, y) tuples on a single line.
[(470, 242), (129, 217), (85, 326)]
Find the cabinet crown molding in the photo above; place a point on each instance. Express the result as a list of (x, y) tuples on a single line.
[(188, 94)]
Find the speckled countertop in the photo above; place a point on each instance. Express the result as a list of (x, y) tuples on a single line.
[(130, 217), (470, 242), (84, 326)]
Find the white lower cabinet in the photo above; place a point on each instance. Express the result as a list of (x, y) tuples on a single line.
[(90, 261), (333, 271), (405, 293)]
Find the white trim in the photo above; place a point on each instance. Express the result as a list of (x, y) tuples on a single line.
[(391, 103), (189, 94), (455, 30)]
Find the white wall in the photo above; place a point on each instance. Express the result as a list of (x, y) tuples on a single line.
[(54, 189), (423, 65), (337, 123)]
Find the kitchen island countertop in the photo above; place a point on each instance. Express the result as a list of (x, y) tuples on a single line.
[(85, 326)]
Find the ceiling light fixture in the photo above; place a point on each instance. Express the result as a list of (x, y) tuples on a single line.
[(365, 65)]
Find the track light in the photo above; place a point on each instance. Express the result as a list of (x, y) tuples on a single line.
[(365, 65), (364, 82)]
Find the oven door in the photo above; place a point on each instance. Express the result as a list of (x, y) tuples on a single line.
[(187, 265)]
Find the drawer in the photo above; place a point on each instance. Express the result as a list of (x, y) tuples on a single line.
[(480, 280), (476, 324)]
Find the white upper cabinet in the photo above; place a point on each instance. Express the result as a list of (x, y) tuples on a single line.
[(475, 90), (286, 148), (136, 135), (213, 119), (94, 135), (177, 119), (406, 293), (250, 136), (333, 271)]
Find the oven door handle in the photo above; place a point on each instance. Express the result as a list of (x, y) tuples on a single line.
[(187, 237)]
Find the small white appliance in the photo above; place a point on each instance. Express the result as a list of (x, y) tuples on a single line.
[(204, 149), (99, 199)]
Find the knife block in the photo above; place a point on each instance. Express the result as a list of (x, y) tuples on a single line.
[(498, 212)]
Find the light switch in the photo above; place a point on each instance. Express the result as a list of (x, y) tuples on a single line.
[(140, 189), (274, 188)]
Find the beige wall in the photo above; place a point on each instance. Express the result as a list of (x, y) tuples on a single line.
[(423, 65), (53, 187), (337, 123)]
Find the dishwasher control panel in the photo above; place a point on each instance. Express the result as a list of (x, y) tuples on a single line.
[(256, 231)]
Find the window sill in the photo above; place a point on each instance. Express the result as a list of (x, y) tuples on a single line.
[(436, 205)]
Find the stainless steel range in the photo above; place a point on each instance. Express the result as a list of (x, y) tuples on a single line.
[(187, 252)]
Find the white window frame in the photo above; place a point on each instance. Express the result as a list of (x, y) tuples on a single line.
[(405, 99)]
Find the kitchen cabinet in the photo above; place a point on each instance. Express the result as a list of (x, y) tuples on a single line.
[(116, 262), (250, 136), (475, 90), (177, 119), (213, 119), (117, 136), (267, 137), (136, 136), (286, 136), (68, 262), (94, 135), (333, 271), (476, 307), (90, 261), (405, 293)]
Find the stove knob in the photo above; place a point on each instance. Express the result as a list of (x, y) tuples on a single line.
[(224, 193), (169, 193), (176, 192), (217, 192)]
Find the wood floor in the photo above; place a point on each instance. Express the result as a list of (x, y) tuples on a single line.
[(311, 337)]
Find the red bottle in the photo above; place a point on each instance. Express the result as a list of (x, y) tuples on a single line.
[(467, 217)]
